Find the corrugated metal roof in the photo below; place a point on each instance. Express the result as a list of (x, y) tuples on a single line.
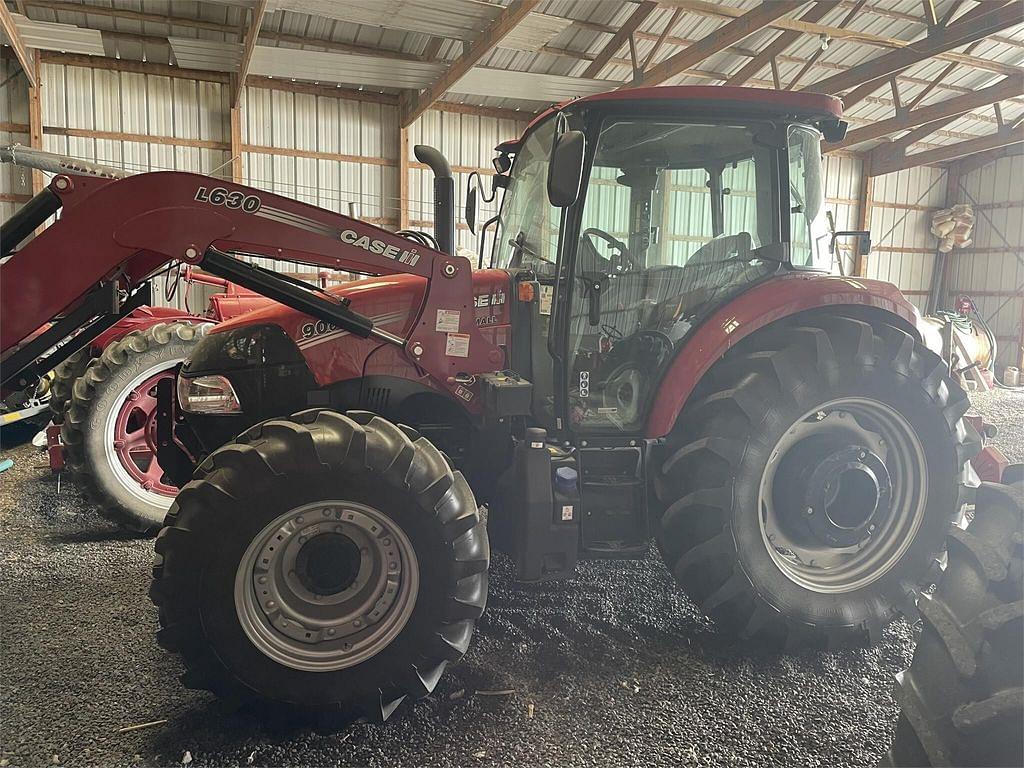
[(52, 36)]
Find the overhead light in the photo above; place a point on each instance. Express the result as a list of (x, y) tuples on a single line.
[(825, 40)]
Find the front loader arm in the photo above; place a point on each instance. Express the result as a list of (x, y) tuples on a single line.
[(124, 230)]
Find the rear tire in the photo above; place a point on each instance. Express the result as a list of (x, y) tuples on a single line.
[(962, 699), (740, 545), (93, 417), (206, 584)]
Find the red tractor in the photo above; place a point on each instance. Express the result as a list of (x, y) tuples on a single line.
[(658, 352)]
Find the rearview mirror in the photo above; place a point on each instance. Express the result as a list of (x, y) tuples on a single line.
[(470, 212), (863, 246), (565, 170)]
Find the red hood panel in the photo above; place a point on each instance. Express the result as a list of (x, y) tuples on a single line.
[(392, 302)]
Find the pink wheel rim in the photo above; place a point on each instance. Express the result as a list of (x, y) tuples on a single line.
[(135, 437)]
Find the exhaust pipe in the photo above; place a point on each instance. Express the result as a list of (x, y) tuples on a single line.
[(444, 196)]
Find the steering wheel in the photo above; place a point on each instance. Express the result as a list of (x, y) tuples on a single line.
[(623, 261)]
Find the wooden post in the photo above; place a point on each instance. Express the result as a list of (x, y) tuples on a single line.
[(237, 167), (403, 178), (35, 120), (867, 187)]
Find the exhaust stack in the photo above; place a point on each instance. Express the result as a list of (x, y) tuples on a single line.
[(444, 196)]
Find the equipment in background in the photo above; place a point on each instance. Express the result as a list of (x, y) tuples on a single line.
[(964, 338)]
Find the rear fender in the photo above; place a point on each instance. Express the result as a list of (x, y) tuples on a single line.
[(778, 299)]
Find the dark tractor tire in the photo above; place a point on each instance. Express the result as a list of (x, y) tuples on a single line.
[(809, 483), (300, 633), (962, 699), (109, 431), (64, 377)]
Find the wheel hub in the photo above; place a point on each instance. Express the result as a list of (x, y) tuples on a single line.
[(326, 585), (846, 496), (842, 495)]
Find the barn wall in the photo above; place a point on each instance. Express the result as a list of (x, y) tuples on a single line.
[(991, 270), (15, 183)]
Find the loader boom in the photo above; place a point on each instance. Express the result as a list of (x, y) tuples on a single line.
[(117, 233)]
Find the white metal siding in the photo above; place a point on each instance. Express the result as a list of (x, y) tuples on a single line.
[(903, 248), (13, 109)]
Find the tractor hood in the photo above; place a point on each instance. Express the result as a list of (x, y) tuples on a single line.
[(331, 354)]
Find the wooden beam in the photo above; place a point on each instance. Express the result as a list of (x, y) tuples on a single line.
[(733, 32), (35, 120), (251, 36), (403, 178), (929, 13), (124, 13), (886, 157), (961, 149), (705, 8), (661, 38), (24, 55), (852, 14), (503, 24), (237, 166), (864, 195), (1005, 88), (816, 12), (612, 47), (939, 41)]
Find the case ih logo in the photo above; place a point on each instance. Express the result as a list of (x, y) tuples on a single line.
[(379, 247), (495, 299)]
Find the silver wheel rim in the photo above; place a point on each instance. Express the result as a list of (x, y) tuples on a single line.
[(129, 483), (885, 446), (300, 617)]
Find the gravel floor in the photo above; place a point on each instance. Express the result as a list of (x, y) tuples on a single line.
[(617, 667)]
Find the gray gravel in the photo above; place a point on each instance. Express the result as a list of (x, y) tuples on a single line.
[(619, 667)]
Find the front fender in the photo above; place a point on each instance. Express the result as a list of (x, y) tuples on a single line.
[(766, 303)]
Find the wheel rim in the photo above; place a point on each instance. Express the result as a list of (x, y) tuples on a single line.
[(843, 495), (130, 438), (326, 586)]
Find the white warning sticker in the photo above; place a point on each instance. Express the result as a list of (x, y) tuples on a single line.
[(547, 292), (457, 345), (567, 511), (447, 321)]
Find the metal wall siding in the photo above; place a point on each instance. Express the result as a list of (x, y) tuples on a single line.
[(13, 109), (903, 248), (994, 262)]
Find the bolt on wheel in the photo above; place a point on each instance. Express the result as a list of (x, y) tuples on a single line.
[(843, 495), (326, 586)]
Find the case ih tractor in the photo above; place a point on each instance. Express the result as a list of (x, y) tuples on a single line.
[(658, 352)]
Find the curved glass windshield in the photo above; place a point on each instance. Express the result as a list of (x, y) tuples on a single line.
[(527, 231)]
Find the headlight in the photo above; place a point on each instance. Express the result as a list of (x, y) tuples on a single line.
[(207, 394)]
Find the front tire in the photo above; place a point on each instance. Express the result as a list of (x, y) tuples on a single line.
[(325, 565), (810, 482)]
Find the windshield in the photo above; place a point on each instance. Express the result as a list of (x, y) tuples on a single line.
[(809, 231), (527, 231)]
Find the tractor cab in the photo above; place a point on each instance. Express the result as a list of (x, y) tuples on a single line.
[(674, 207), (631, 217)]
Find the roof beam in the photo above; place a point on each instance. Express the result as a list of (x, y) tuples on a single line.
[(821, 49), (251, 36), (939, 41), (738, 29), (953, 151), (816, 12), (885, 156), (124, 13), (505, 22), (929, 13), (639, 15), (838, 33), (20, 50), (1004, 89)]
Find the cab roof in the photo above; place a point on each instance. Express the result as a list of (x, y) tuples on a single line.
[(817, 105)]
